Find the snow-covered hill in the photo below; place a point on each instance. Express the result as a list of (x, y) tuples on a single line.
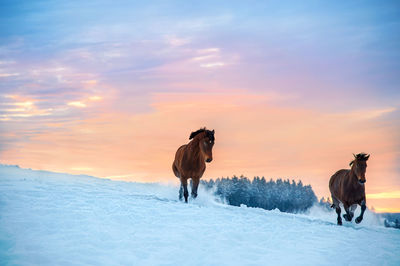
[(59, 219)]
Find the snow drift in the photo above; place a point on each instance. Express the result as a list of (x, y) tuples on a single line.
[(58, 219)]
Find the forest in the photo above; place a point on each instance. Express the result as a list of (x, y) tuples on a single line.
[(285, 195)]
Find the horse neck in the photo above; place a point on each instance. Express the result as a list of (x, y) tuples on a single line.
[(194, 145), (352, 178)]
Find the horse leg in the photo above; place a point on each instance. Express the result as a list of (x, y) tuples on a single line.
[(352, 209), (348, 216), (363, 207), (185, 190), (336, 204), (195, 185), (181, 192), (339, 219)]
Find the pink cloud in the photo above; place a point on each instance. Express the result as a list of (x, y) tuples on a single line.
[(252, 138)]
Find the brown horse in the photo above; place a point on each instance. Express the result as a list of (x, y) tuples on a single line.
[(190, 160), (347, 187)]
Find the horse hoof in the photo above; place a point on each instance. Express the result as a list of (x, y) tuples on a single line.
[(339, 221), (358, 220), (347, 217)]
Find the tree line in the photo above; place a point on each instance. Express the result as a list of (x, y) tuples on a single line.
[(282, 194)]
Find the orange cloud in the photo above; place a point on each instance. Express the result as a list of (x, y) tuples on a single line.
[(395, 210), (253, 137), (385, 195), (77, 104), (21, 107), (95, 98)]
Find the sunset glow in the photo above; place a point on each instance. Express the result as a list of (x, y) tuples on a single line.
[(291, 91)]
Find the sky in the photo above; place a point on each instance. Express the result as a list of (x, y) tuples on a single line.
[(291, 89)]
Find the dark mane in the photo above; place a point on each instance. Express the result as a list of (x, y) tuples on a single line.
[(360, 157), (209, 134), (195, 133)]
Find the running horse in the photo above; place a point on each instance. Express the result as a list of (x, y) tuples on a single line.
[(190, 160), (347, 187)]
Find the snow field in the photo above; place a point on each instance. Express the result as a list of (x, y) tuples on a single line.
[(59, 219)]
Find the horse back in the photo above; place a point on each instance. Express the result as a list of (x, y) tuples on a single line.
[(179, 152), (178, 160), (343, 190), (336, 182), (188, 162)]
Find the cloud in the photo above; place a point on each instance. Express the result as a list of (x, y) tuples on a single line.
[(95, 98), (394, 209), (208, 50), (77, 104), (202, 58), (369, 113), (214, 64), (90, 82), (385, 195), (21, 107), (6, 75)]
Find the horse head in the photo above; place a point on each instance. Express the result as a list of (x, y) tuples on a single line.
[(206, 142), (359, 166)]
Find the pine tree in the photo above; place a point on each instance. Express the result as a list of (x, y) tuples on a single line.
[(285, 195)]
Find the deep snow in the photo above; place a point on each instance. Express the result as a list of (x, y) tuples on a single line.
[(58, 219)]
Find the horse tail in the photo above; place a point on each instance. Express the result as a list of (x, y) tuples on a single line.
[(178, 158), (175, 170)]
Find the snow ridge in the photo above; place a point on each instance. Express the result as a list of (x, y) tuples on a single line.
[(59, 219)]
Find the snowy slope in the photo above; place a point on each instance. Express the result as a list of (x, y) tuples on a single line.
[(58, 219)]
